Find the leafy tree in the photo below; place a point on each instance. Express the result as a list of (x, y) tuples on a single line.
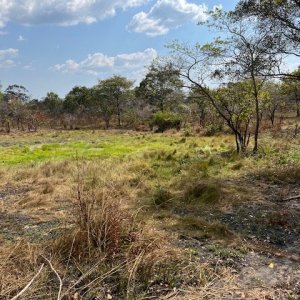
[(53, 103), (282, 16), (16, 98), (242, 56), (1, 94), (291, 88), (274, 99), (235, 102), (76, 100), (4, 115), (279, 21), (116, 89), (3, 111), (16, 92), (101, 104), (162, 81), (203, 107)]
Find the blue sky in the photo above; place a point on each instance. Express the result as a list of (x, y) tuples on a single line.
[(53, 45)]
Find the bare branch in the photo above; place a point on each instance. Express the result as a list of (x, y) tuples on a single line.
[(29, 283)]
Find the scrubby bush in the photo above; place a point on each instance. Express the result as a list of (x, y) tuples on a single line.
[(212, 129), (163, 121)]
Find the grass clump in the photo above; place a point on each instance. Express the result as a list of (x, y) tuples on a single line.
[(289, 173), (199, 228), (202, 193), (225, 252), (48, 188), (161, 196)]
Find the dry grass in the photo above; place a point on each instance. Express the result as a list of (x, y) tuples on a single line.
[(111, 226), (111, 248)]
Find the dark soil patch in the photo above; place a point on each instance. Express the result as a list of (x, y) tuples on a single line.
[(263, 220), (12, 190), (267, 218), (276, 277), (15, 226), (265, 223)]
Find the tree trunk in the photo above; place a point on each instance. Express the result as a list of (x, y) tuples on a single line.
[(256, 132), (7, 125), (118, 112), (272, 116), (106, 120), (237, 143), (297, 100), (257, 114), (161, 104)]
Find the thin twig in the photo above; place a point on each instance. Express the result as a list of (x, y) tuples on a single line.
[(89, 272), (58, 277), (28, 284), (70, 254), (132, 274)]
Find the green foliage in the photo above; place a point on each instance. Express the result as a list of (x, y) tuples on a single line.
[(291, 88), (53, 103), (225, 252), (278, 20), (17, 92), (212, 129), (77, 99), (1, 94), (116, 90), (160, 85), (165, 120)]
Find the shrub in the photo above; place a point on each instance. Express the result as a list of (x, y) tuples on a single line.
[(164, 121), (212, 129), (289, 173)]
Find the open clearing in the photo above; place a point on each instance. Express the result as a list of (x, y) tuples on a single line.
[(208, 223)]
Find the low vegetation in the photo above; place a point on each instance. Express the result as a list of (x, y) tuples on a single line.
[(183, 187), (136, 221)]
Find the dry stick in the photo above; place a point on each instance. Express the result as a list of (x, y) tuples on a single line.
[(70, 253), (102, 277), (29, 283), (90, 271), (291, 198), (57, 275), (132, 273)]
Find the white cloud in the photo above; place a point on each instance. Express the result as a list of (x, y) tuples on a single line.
[(61, 12), (129, 64), (167, 14), (10, 52), (21, 38), (28, 68), (7, 57)]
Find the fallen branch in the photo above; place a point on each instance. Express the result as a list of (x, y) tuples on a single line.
[(291, 198), (28, 284), (57, 275)]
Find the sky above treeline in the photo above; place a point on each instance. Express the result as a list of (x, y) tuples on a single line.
[(53, 45)]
